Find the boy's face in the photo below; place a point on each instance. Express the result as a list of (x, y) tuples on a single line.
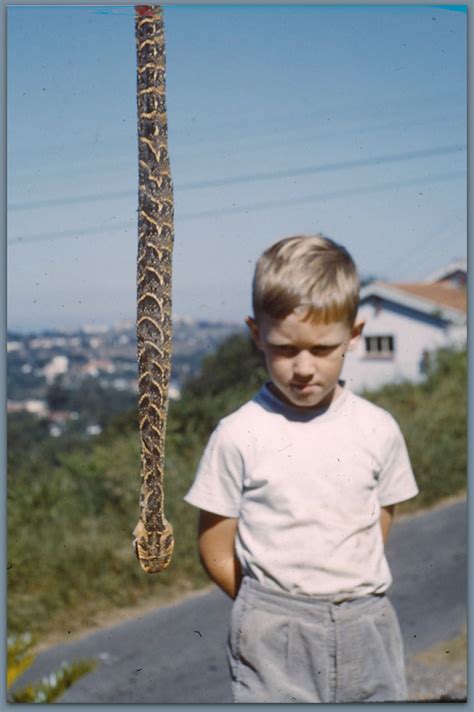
[(304, 358)]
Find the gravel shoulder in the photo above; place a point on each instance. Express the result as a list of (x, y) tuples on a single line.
[(439, 674)]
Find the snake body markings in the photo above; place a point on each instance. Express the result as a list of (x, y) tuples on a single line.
[(153, 535)]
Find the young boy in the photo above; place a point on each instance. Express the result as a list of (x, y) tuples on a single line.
[(297, 490)]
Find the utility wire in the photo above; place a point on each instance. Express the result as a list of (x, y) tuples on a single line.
[(259, 126), (325, 167), (189, 138), (71, 200), (264, 176), (421, 246), (321, 197), (76, 233)]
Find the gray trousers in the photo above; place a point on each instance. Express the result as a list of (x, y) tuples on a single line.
[(285, 648)]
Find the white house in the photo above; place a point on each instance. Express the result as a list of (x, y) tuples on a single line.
[(402, 323), (56, 367)]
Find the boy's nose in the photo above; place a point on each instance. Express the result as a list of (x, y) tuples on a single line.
[(303, 366)]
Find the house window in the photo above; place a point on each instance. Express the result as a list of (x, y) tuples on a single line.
[(379, 346)]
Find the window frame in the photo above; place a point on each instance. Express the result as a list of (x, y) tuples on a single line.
[(381, 351)]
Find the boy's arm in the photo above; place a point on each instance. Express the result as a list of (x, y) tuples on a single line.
[(386, 520), (216, 549)]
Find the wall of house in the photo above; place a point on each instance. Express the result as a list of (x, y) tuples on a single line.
[(413, 334)]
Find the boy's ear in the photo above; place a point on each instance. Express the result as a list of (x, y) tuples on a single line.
[(356, 332), (254, 330)]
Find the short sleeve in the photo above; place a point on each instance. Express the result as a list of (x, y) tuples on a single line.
[(396, 482), (218, 482)]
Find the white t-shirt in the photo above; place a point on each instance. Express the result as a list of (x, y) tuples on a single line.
[(307, 487)]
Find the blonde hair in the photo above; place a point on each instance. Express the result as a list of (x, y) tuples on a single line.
[(306, 272)]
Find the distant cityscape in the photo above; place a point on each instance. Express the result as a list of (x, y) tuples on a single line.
[(44, 364)]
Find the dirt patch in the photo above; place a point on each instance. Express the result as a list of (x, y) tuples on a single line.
[(439, 674), (447, 652)]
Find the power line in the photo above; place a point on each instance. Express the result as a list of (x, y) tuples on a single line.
[(362, 190), (71, 200), (255, 128), (421, 246), (76, 233), (326, 167), (266, 175), (245, 142)]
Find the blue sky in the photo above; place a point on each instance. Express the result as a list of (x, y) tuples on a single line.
[(349, 120)]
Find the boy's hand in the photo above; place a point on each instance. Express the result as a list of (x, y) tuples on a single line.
[(216, 536), (386, 520)]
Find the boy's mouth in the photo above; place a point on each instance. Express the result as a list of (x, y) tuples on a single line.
[(304, 387)]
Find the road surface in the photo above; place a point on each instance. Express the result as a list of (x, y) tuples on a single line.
[(176, 654)]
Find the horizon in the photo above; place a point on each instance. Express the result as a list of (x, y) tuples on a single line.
[(124, 324)]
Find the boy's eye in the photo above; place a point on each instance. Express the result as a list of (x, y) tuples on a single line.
[(289, 351), (285, 349), (321, 350)]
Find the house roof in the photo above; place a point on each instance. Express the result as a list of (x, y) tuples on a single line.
[(441, 293), (441, 298), (445, 272)]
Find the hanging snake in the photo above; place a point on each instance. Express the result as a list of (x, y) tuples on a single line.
[(153, 535)]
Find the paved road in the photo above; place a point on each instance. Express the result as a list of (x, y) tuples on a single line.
[(177, 654)]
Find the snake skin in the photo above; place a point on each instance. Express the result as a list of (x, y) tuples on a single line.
[(153, 535)]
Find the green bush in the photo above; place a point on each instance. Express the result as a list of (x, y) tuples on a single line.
[(433, 418)]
